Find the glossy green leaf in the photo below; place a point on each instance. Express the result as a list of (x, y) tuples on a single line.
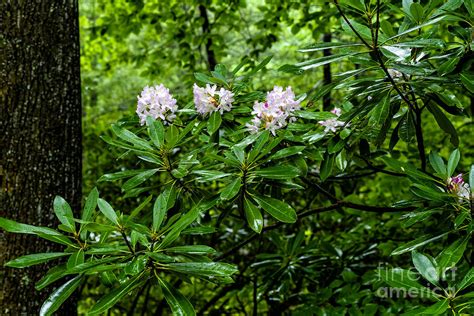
[(253, 215), (138, 179), (438, 164), (207, 269), (426, 266), (453, 161), (33, 259), (287, 152), (75, 259), (59, 296), (404, 279), (108, 211), (193, 249), (412, 245), (467, 281), (444, 123), (278, 172), (231, 189), (156, 131), (214, 122), (163, 203), (380, 112), (450, 256), (276, 208), (180, 306), (116, 295), (64, 213), (130, 137)]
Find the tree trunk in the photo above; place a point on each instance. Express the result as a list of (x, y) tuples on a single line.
[(206, 30), (40, 132), (327, 73)]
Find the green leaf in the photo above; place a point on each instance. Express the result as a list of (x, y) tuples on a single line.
[(425, 266), (276, 208), (130, 137), (193, 249), (287, 152), (414, 244), (253, 215), (138, 179), (467, 80), (214, 122), (405, 279), (75, 259), (115, 295), (437, 308), (406, 130), (430, 22), (444, 123), (231, 189), (108, 211), (417, 11), (120, 175), (380, 112), (326, 167), (206, 269), (466, 281), (89, 208), (437, 163), (59, 296), (64, 213), (53, 274), (278, 172), (452, 254), (180, 306), (163, 203), (453, 161), (33, 259), (184, 222), (156, 131)]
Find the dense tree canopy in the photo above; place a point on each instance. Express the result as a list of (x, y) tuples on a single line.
[(282, 157)]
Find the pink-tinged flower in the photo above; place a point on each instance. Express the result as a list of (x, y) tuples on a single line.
[(275, 112), (336, 111), (332, 124), (209, 99), (156, 102), (457, 186)]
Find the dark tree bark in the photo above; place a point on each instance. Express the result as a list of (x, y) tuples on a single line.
[(40, 133), (327, 78), (206, 29)]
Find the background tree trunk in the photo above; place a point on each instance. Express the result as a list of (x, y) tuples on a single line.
[(40, 132)]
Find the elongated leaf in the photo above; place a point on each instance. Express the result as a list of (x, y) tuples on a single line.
[(323, 46), (115, 295), (75, 259), (214, 122), (108, 211), (412, 245), (163, 203), (89, 209), (64, 213), (453, 161), (444, 123), (467, 80), (130, 137), (120, 175), (193, 249), (425, 266), (59, 296), (403, 279), (253, 215), (53, 274), (452, 254), (467, 281), (287, 152), (184, 222), (380, 112), (156, 131), (138, 179), (231, 189), (33, 259), (276, 208), (437, 163), (430, 22), (179, 304), (278, 172), (216, 269)]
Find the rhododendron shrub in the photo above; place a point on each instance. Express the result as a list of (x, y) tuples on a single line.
[(226, 171)]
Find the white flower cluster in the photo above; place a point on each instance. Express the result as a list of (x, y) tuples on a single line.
[(332, 124), (395, 73), (156, 102), (209, 99), (456, 185), (275, 112)]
